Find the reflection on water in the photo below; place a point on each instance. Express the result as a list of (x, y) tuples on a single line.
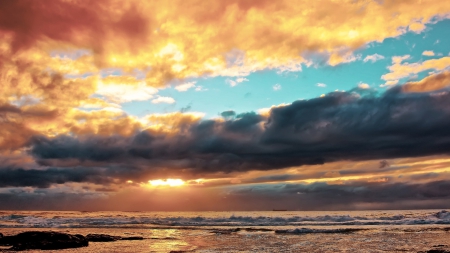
[(206, 232), (168, 240), (383, 239)]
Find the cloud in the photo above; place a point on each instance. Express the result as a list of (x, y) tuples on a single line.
[(338, 126), (235, 82), (417, 27), (185, 86), (18, 124), (63, 78), (46, 178), (160, 99), (124, 35), (428, 53), (342, 57), (200, 88), (28, 74), (241, 79), (429, 83), (349, 196), (122, 89), (403, 70), (276, 87), (232, 83), (228, 114), (373, 58), (363, 86), (389, 83), (291, 196), (322, 85)]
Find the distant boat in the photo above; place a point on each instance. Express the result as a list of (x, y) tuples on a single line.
[(279, 210)]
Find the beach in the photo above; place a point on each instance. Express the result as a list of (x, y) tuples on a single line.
[(290, 231)]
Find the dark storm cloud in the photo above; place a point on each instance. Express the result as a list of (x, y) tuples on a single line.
[(45, 178), (315, 196), (94, 148), (323, 196), (45, 199), (228, 114), (339, 126), (373, 192)]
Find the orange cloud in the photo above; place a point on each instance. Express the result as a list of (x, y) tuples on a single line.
[(428, 53), (122, 89), (15, 129), (179, 39), (40, 47), (402, 70), (429, 83)]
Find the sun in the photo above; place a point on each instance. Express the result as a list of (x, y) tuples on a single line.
[(168, 182)]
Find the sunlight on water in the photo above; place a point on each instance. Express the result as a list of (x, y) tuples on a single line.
[(167, 240), (290, 231)]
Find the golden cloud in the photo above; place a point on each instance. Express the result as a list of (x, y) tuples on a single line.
[(179, 39), (122, 89), (54, 58), (400, 70), (429, 83)]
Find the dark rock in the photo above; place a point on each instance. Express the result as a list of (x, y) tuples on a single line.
[(43, 240), (435, 250), (102, 238), (226, 231), (132, 238), (258, 229), (164, 238), (5, 240)]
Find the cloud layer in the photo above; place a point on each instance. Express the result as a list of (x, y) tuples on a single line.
[(64, 80), (339, 126)]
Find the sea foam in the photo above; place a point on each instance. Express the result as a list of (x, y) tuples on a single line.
[(142, 219)]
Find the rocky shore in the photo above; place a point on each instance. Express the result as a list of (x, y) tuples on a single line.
[(50, 240), (47, 240)]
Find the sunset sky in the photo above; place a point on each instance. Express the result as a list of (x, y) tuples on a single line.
[(194, 105)]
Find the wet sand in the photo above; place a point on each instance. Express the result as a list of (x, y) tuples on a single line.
[(391, 239)]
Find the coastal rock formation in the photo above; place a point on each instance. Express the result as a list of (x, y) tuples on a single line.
[(43, 240), (110, 238), (132, 238), (102, 238), (437, 249), (225, 231)]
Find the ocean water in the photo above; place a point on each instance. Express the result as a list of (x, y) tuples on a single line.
[(273, 231)]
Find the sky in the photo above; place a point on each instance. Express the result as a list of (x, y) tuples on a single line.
[(190, 105)]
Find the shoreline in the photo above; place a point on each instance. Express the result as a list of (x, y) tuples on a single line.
[(207, 240)]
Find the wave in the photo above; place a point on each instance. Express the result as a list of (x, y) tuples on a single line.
[(142, 220), (318, 231)]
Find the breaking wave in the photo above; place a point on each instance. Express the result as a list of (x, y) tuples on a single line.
[(88, 219)]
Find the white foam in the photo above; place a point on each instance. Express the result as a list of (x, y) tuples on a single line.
[(85, 220), (315, 231)]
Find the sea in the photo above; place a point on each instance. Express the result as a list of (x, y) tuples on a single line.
[(259, 231)]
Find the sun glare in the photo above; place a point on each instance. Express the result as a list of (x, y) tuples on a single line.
[(168, 182)]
